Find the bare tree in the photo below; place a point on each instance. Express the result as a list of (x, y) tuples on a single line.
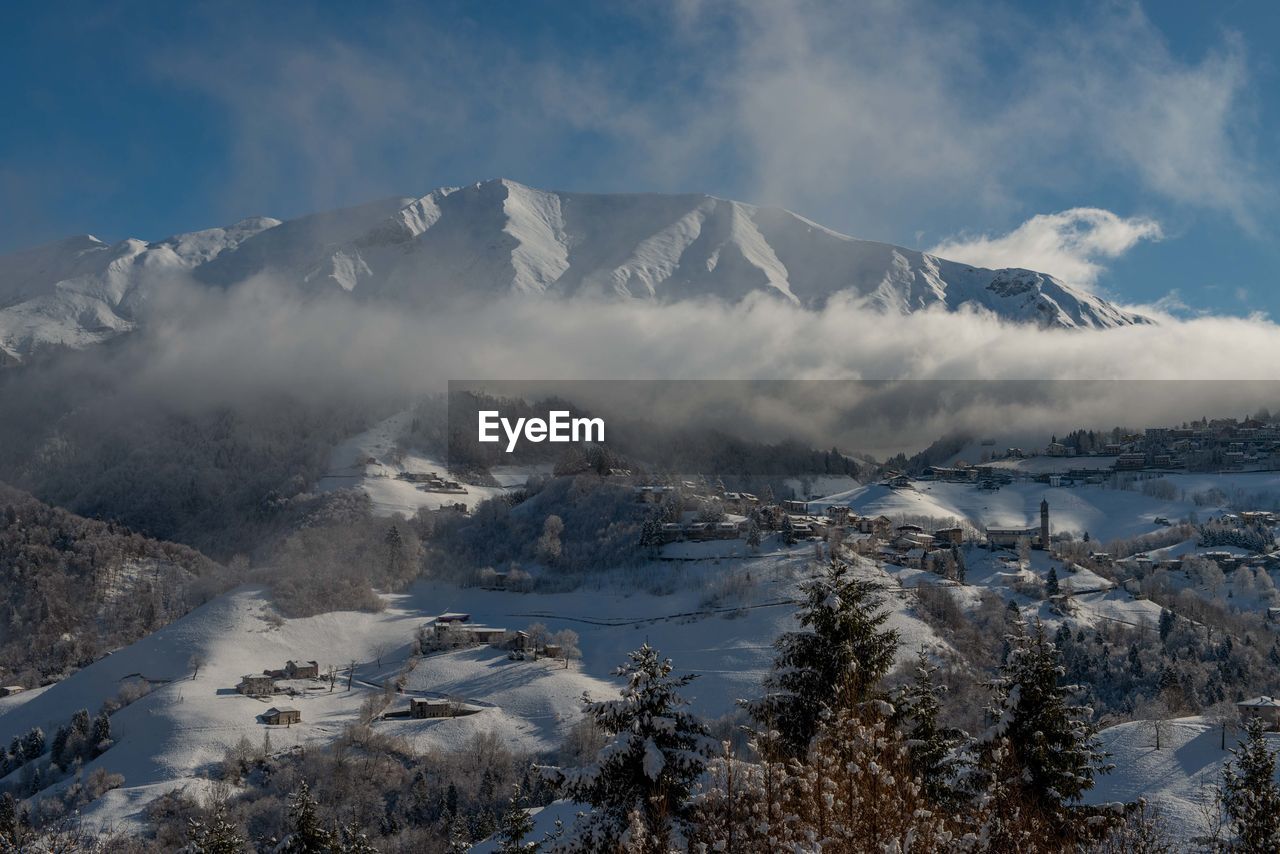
[(539, 636), (1225, 716), (382, 649), (567, 640), (1156, 715), (196, 661)]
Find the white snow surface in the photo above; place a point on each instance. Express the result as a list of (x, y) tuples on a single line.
[(349, 468)]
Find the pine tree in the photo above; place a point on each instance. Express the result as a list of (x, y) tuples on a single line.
[(306, 835), (788, 531), (1051, 587), (931, 747), (656, 753), (33, 743), (101, 737), (1167, 620), (353, 841), (58, 747), (836, 659), (515, 826), (1250, 796), (215, 835), (1051, 743), (651, 533)]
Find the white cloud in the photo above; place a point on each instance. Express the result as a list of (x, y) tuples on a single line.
[(1069, 245), (258, 340), (973, 109), (876, 118)]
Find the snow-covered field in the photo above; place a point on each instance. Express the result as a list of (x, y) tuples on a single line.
[(1180, 779), (349, 469)]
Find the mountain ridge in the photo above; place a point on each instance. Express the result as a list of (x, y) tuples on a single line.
[(500, 237)]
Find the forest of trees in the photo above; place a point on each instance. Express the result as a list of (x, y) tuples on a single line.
[(76, 588), (85, 433)]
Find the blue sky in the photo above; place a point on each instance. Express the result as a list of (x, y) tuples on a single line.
[(925, 124)]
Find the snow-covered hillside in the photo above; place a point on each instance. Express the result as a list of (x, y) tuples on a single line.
[(500, 237), (374, 463), (1101, 511), (173, 735), (1180, 779)]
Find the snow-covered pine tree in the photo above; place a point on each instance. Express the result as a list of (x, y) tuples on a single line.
[(515, 827), (307, 835), (1051, 585), (216, 834), (353, 841), (100, 739), (655, 755), (1250, 796), (788, 531), (1050, 743), (932, 747), (651, 533), (835, 660)]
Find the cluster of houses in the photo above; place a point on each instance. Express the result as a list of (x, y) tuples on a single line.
[(1221, 444), (432, 482), (1142, 565), (456, 631), (688, 495), (264, 684)]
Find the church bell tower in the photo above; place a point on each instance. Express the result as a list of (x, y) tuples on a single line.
[(1044, 523)]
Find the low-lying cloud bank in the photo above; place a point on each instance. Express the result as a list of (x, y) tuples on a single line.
[(207, 347)]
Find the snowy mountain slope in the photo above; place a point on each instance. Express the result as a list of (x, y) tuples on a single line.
[(499, 237), (82, 291)]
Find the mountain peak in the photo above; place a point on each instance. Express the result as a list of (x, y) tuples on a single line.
[(499, 237)]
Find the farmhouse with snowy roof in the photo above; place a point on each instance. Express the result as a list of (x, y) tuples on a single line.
[(295, 669), (256, 684), (282, 716), (424, 707), (1265, 708)]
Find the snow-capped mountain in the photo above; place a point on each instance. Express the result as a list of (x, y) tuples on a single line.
[(501, 237)]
